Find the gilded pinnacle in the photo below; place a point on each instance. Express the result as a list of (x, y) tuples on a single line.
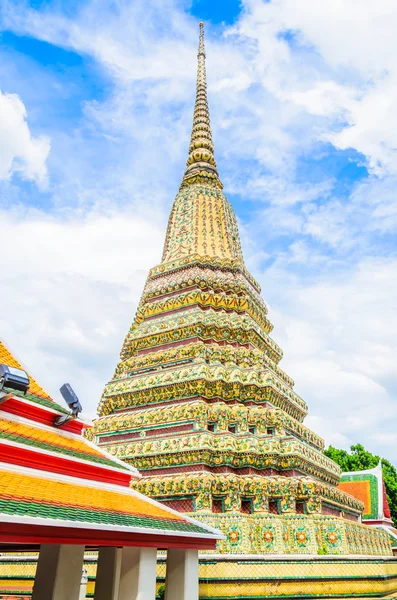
[(201, 165)]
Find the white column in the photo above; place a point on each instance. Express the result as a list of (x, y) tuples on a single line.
[(138, 574), (83, 585), (107, 579), (181, 582), (59, 571)]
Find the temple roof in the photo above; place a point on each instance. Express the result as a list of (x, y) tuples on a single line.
[(57, 485), (368, 486), (48, 440), (7, 357), (31, 497)]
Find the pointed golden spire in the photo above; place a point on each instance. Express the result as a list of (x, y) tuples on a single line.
[(201, 165)]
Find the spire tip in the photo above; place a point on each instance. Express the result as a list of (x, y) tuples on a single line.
[(201, 165)]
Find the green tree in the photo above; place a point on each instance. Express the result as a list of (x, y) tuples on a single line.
[(359, 459)]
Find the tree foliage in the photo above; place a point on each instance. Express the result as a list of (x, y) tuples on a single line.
[(359, 459)]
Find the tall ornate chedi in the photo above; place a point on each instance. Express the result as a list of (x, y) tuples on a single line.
[(199, 403)]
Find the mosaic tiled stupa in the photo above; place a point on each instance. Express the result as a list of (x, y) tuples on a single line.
[(199, 403)]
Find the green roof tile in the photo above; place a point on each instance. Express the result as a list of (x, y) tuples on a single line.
[(71, 513)]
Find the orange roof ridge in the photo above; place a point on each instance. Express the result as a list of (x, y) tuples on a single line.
[(9, 358)]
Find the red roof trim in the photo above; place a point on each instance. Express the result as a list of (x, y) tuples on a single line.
[(45, 462), (40, 414), (19, 533), (386, 509)]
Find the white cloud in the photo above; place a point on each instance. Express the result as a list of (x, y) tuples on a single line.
[(342, 68), (70, 290), (327, 99), (20, 152), (339, 337)]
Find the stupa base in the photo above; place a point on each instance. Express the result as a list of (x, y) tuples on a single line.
[(253, 577), (246, 576), (295, 534)]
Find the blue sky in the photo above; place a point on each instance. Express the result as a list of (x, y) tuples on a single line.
[(96, 103)]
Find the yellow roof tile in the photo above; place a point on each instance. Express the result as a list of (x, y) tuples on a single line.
[(8, 358), (9, 428), (26, 488)]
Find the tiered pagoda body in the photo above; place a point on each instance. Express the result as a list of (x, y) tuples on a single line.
[(199, 403)]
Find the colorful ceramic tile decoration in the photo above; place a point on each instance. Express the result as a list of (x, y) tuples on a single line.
[(199, 402)]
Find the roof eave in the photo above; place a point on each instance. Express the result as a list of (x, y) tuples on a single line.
[(29, 530)]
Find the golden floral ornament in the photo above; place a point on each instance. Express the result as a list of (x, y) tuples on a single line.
[(301, 537), (233, 536), (332, 537), (268, 536)]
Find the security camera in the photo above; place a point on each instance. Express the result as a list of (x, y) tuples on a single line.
[(72, 401), (13, 378)]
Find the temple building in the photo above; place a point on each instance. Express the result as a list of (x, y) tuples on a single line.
[(369, 487), (62, 497), (199, 402)]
